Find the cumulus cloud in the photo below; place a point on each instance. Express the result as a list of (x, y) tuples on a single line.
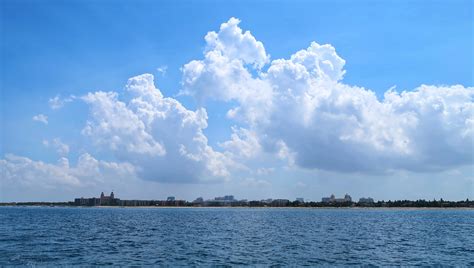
[(296, 110), (20, 172), (300, 109), (60, 147), (41, 118), (117, 127), (243, 143), (163, 139), (225, 74), (231, 42)]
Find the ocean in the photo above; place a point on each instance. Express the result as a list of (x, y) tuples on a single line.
[(235, 236)]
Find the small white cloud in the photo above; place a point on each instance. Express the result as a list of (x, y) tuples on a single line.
[(162, 70), (57, 102), (41, 118)]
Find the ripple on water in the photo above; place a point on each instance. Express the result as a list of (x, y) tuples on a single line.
[(202, 236)]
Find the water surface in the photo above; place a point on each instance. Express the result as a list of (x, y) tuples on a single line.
[(240, 236)]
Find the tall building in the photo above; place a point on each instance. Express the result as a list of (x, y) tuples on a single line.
[(108, 200)]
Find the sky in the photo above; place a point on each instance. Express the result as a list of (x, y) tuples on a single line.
[(275, 99)]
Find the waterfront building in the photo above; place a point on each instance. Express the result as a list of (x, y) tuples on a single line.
[(300, 199), (198, 200), (332, 199), (366, 201), (108, 200), (171, 198), (227, 198), (280, 203), (87, 201), (103, 200)]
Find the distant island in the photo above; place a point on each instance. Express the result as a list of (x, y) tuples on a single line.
[(230, 201)]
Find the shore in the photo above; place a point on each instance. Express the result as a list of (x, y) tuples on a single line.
[(242, 207)]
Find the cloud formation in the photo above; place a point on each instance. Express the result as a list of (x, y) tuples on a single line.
[(60, 147), (233, 43), (301, 107), (287, 112), (22, 172), (163, 139), (57, 102), (41, 118)]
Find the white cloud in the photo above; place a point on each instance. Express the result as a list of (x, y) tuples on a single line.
[(117, 127), (162, 70), (232, 43), (60, 147), (225, 74), (41, 118), (243, 144), (57, 102), (300, 110), (157, 134), (18, 172)]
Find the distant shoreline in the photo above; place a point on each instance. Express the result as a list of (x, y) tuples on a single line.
[(241, 207)]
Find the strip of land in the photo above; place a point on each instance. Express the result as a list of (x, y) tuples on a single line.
[(281, 203)]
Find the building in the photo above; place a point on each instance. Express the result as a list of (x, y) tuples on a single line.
[(198, 201), (103, 200), (300, 199), (87, 201), (227, 198), (108, 200), (280, 203), (332, 199), (366, 201)]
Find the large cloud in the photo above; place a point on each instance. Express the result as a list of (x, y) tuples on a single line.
[(163, 139), (299, 105), (22, 172)]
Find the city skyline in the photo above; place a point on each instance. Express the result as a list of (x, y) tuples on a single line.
[(250, 102), (227, 201)]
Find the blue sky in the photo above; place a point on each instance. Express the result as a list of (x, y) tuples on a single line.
[(64, 48)]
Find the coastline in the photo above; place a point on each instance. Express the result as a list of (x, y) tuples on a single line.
[(236, 207)]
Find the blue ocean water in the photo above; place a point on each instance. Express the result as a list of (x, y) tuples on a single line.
[(235, 236)]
